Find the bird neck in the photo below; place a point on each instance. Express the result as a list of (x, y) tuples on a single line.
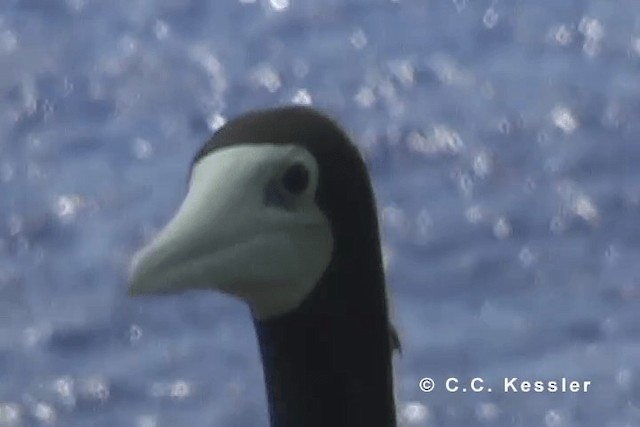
[(328, 363)]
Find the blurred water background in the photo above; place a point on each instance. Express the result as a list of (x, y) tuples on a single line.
[(504, 144)]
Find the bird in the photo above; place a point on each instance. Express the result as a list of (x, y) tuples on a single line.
[(280, 212)]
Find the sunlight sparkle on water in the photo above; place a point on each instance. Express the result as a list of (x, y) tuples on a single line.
[(67, 206), (179, 389), (146, 421), (449, 72), (365, 97), (358, 39), (593, 33), (564, 118), (64, 388), (636, 45), (526, 257), (442, 140), (161, 29), (36, 334), (404, 71), (8, 41), (10, 414), (302, 97), (502, 228), (490, 18), (482, 164), (96, 388), (414, 413), (279, 5), (487, 412), (459, 4), (135, 334), (554, 418), (44, 412), (475, 214), (76, 5), (562, 35), (215, 121), (267, 77), (142, 148)]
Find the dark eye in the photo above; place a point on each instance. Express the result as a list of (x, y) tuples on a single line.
[(296, 178)]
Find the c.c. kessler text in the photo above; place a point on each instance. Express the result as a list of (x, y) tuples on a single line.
[(560, 385)]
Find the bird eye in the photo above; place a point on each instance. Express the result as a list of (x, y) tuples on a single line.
[(296, 178)]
